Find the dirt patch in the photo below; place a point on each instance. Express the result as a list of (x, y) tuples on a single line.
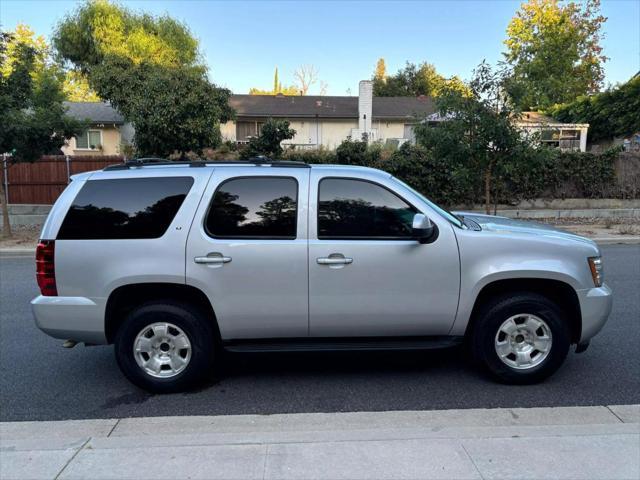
[(596, 227), (23, 237)]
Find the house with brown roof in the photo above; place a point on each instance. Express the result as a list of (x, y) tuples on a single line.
[(328, 120), (319, 121)]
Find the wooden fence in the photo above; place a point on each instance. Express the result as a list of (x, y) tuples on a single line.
[(42, 181)]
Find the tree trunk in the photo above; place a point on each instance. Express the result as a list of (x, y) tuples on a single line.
[(6, 226), (487, 189)]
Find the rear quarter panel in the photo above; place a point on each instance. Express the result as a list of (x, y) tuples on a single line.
[(94, 268)]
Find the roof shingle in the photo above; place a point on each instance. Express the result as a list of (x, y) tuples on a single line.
[(328, 106), (95, 112)]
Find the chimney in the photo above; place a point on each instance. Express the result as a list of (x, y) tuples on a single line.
[(365, 105)]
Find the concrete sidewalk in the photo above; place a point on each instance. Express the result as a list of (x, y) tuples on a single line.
[(566, 442)]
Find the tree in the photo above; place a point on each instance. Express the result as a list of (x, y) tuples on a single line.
[(277, 88), (34, 120), (149, 69), (414, 80), (381, 70), (272, 134), (172, 109), (305, 75), (276, 83), (75, 85), (555, 53), (475, 130), (612, 113), (99, 30), (76, 88)]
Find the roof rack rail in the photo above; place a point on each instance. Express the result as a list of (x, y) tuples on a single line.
[(153, 161)]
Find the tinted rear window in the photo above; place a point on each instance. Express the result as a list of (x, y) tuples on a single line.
[(125, 208), (254, 207)]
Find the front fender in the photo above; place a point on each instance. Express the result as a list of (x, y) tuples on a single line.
[(487, 257)]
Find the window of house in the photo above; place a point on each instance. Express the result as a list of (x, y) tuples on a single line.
[(125, 208), (246, 130), (89, 140), (570, 134), (357, 209), (254, 207)]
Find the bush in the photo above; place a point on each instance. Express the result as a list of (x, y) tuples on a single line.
[(272, 134), (435, 178), (449, 181), (320, 155)]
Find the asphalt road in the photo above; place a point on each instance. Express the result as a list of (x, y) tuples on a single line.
[(39, 380)]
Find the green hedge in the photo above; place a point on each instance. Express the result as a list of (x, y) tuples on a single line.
[(541, 173), (613, 113)]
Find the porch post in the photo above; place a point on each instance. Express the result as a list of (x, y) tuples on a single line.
[(583, 139)]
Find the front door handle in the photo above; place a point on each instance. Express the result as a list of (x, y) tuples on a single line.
[(212, 259), (334, 260)]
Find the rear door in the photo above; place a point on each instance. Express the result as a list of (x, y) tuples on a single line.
[(247, 250)]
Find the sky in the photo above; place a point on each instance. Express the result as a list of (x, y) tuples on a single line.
[(242, 42)]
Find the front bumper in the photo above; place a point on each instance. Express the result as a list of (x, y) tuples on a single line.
[(73, 318), (595, 306)]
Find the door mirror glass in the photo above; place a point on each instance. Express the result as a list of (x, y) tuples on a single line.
[(423, 229)]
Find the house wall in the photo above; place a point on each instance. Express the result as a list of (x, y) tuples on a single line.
[(390, 129), (110, 143), (327, 132)]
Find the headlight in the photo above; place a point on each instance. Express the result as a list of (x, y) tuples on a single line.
[(597, 272)]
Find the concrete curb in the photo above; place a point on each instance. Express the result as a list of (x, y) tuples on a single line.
[(17, 252), (574, 442), (628, 240)]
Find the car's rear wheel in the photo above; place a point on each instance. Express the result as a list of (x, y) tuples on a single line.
[(520, 338), (165, 347)]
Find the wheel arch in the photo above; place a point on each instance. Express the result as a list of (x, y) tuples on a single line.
[(127, 297), (561, 293)]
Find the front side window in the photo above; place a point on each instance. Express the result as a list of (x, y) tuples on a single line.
[(254, 207), (89, 140), (127, 208), (357, 209)]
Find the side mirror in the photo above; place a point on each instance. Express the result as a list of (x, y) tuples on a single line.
[(423, 230)]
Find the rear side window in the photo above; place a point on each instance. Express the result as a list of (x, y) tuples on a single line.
[(357, 209), (125, 208), (254, 207)]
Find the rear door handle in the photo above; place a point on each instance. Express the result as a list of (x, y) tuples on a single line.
[(212, 259), (334, 260)]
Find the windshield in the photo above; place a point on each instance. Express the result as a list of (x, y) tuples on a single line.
[(445, 213)]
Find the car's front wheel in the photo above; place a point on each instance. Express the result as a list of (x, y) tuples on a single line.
[(165, 347), (521, 338)]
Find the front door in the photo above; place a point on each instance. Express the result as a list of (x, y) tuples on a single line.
[(247, 250), (367, 276)]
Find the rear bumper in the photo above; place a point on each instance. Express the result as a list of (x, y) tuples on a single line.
[(74, 318), (595, 306)]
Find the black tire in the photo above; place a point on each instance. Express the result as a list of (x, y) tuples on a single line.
[(490, 319), (195, 325)]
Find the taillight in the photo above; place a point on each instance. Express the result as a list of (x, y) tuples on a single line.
[(45, 268)]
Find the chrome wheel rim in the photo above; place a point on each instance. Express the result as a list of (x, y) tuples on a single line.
[(523, 341), (162, 350)]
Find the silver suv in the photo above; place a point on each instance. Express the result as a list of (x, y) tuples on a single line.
[(173, 263)]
